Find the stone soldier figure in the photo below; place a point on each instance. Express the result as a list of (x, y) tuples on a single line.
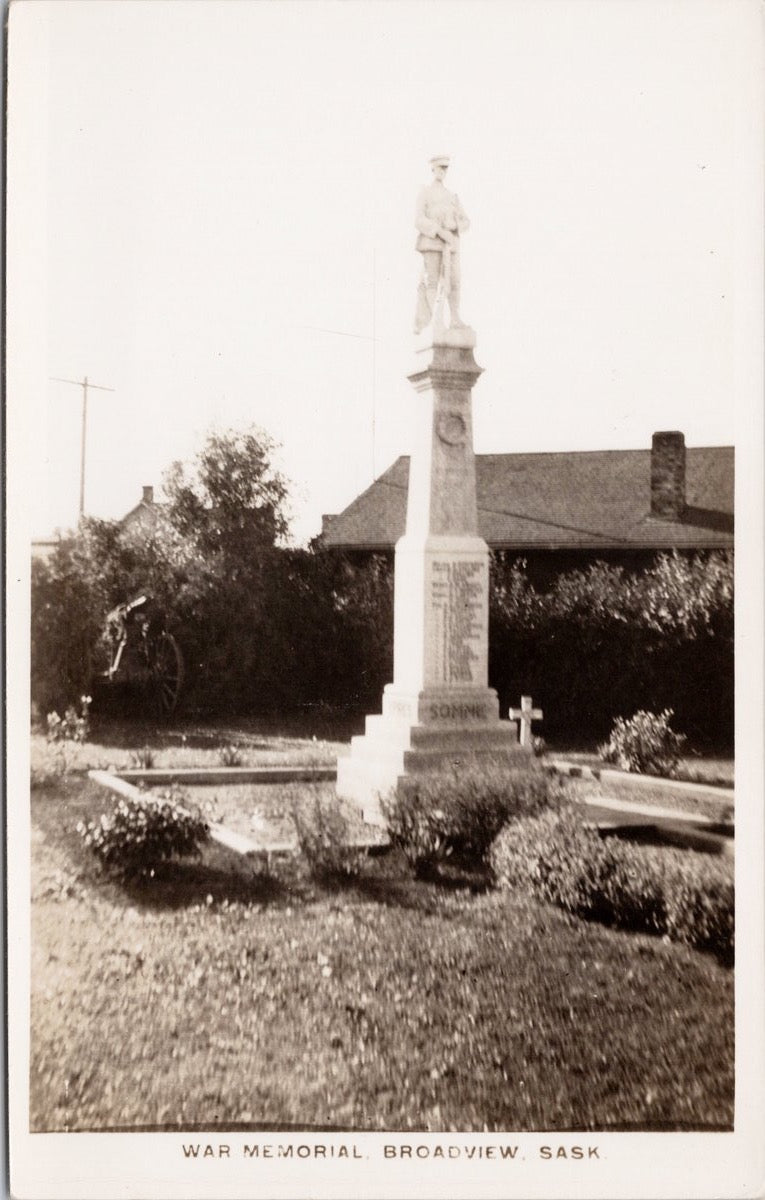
[(439, 221)]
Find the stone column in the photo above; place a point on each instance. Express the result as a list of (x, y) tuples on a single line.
[(439, 710)]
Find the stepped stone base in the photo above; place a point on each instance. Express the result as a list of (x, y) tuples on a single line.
[(419, 734)]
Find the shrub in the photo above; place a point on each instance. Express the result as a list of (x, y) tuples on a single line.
[(635, 887), (324, 839), (686, 895), (701, 908), (644, 743), (462, 810), (230, 756), (144, 831), (143, 759), (74, 726), (554, 856), (51, 763)]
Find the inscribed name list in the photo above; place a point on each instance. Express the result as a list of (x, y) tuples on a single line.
[(458, 593)]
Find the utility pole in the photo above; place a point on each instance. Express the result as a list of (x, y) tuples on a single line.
[(374, 357), (84, 383)]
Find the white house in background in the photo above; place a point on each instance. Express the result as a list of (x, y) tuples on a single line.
[(141, 520)]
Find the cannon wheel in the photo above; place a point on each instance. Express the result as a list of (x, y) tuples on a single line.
[(166, 672)]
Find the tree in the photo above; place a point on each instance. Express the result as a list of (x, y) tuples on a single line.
[(209, 562), (230, 500), (227, 507)]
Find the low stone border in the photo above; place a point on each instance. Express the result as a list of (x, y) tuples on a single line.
[(694, 830), (156, 776), (606, 775), (630, 779)]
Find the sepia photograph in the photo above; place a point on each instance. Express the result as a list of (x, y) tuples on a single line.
[(384, 578)]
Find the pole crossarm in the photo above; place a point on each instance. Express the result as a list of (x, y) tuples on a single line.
[(85, 382)]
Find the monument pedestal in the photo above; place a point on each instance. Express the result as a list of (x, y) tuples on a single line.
[(439, 710)]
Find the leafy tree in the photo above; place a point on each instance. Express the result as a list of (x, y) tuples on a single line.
[(230, 501), (209, 562), (228, 508), (265, 626)]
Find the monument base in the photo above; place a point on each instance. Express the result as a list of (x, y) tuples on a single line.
[(437, 334), (421, 733)]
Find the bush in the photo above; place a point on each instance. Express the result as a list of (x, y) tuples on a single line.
[(685, 895), (463, 809), (52, 762), (74, 726), (668, 625), (144, 831), (644, 743), (701, 909), (324, 839), (554, 856), (143, 759), (230, 756)]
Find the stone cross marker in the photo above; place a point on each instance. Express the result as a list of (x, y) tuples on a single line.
[(525, 714), (439, 709)]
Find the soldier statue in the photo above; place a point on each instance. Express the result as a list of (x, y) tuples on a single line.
[(439, 221)]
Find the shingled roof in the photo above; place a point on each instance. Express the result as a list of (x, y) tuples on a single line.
[(599, 499)]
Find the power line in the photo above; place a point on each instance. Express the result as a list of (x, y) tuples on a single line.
[(362, 337)]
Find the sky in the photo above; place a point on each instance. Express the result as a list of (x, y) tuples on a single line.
[(220, 200)]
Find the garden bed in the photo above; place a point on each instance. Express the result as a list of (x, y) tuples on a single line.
[(389, 1003), (255, 814)]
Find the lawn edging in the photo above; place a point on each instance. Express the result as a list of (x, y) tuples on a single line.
[(682, 787), (161, 776)]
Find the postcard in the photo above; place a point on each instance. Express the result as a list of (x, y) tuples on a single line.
[(385, 758)]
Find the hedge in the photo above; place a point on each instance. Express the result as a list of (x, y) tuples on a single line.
[(605, 642), (684, 895), (279, 629)]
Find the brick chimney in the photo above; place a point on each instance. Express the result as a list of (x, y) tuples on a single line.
[(148, 494), (668, 476)]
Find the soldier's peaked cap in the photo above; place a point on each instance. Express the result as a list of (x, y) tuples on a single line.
[(440, 160)]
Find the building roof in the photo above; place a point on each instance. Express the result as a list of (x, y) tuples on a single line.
[(594, 499)]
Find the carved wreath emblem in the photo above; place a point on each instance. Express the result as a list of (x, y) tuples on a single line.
[(451, 428)]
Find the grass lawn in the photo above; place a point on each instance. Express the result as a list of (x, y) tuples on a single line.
[(311, 738), (217, 995), (120, 744)]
